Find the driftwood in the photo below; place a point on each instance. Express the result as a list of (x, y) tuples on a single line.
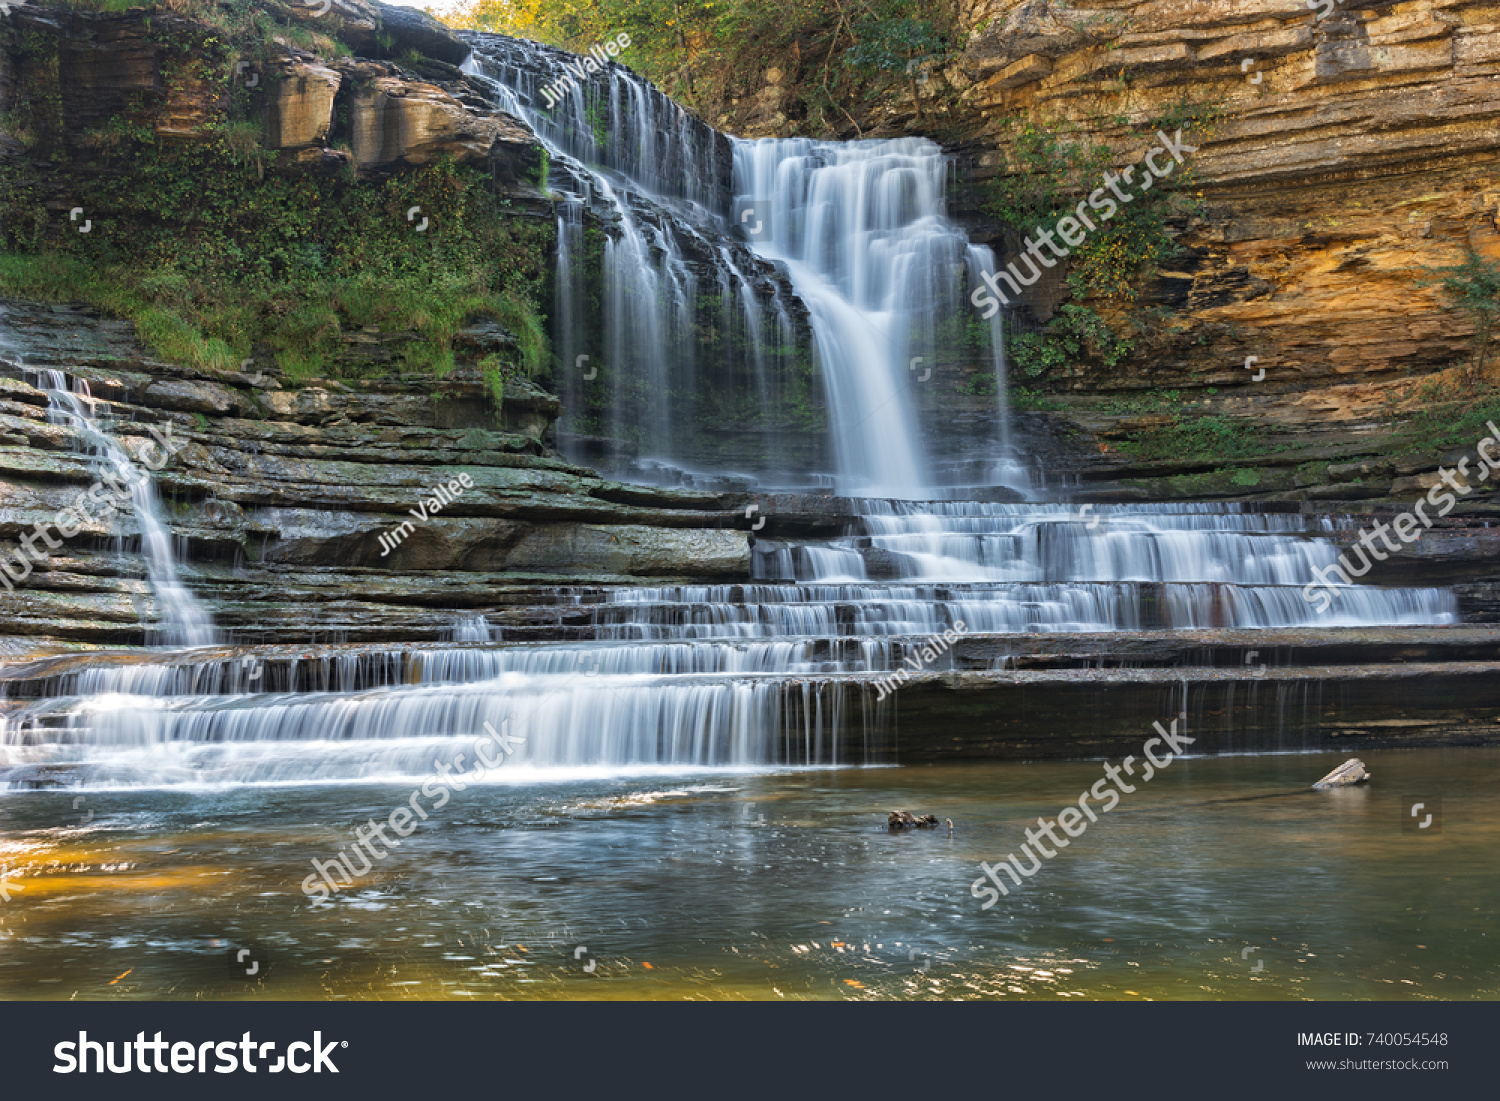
[(1348, 774), (906, 820)]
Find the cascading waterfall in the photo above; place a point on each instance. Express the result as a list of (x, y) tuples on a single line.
[(185, 622), (862, 229), (1037, 567), (647, 290), (772, 672), (628, 160), (386, 715)]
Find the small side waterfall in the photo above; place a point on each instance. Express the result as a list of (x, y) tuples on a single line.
[(184, 621), (1007, 469)]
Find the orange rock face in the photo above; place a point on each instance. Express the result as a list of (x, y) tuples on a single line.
[(1354, 152)]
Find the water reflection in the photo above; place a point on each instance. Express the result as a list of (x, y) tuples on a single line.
[(1226, 879)]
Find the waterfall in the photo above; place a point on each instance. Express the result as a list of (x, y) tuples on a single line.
[(1006, 470), (861, 231), (184, 620), (856, 234), (1041, 567), (852, 255), (639, 180)]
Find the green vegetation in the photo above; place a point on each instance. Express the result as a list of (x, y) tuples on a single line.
[(1028, 401), (491, 368), (212, 247), (1075, 331), (242, 20), (1473, 287), (1194, 438), (891, 44), (1454, 410), (707, 52), (1149, 403), (1444, 415), (207, 259), (1055, 167), (978, 384)]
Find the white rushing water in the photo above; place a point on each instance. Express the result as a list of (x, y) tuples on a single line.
[(646, 169), (738, 675), (863, 230), (184, 621), (775, 671)]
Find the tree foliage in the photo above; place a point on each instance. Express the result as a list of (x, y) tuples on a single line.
[(707, 52), (1473, 287)]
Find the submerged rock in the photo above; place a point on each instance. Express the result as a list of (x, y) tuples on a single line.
[(40, 776), (1349, 773)]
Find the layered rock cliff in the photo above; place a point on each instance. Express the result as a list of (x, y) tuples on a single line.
[(1362, 157), (281, 496), (300, 500), (1350, 153)]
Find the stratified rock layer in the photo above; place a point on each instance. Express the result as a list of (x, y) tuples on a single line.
[(282, 495)]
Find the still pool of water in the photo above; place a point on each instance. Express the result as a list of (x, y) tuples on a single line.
[(1222, 878)]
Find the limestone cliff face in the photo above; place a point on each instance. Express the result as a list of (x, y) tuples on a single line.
[(1355, 151), (283, 488), (156, 69), (1352, 152), (280, 496)]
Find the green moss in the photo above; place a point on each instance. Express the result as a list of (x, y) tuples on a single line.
[(208, 258), (1147, 404), (1024, 400), (490, 367), (1441, 423), (1189, 438), (1216, 483)]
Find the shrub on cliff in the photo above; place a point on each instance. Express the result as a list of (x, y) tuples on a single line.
[(1473, 288)]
